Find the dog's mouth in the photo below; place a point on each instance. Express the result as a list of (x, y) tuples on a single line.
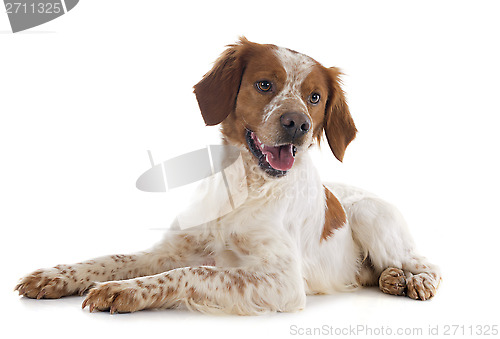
[(274, 160)]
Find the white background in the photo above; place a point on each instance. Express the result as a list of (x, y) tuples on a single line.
[(83, 97)]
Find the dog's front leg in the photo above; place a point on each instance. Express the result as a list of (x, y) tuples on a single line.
[(178, 250), (269, 281), (204, 288), (63, 280)]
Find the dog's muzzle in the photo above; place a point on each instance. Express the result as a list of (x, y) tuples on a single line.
[(274, 160)]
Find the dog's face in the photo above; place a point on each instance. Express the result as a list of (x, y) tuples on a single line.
[(276, 102)]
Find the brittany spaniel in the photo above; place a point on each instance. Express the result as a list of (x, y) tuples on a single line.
[(292, 236)]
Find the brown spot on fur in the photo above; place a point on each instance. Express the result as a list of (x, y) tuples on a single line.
[(191, 294), (199, 271), (237, 281), (210, 272), (240, 244), (335, 216)]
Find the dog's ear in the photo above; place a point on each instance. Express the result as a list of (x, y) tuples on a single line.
[(338, 124), (217, 91)]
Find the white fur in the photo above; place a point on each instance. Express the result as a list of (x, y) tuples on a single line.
[(297, 67)]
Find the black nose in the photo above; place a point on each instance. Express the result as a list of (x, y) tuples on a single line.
[(295, 124)]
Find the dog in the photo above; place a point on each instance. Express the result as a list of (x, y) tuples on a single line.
[(293, 235)]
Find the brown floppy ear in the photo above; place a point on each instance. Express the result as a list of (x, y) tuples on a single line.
[(217, 91), (338, 124)]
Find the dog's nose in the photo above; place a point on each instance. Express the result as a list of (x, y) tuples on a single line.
[(295, 124)]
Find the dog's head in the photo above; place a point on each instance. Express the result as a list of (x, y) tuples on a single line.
[(276, 102)]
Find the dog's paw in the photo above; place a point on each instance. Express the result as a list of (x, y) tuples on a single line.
[(393, 281), (115, 296), (47, 283), (421, 286)]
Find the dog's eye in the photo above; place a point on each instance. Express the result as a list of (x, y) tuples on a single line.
[(314, 98), (264, 85)]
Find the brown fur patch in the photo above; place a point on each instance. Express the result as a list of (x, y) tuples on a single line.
[(335, 216), (217, 91), (338, 125)]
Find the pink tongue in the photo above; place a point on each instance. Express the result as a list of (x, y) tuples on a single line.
[(279, 157)]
